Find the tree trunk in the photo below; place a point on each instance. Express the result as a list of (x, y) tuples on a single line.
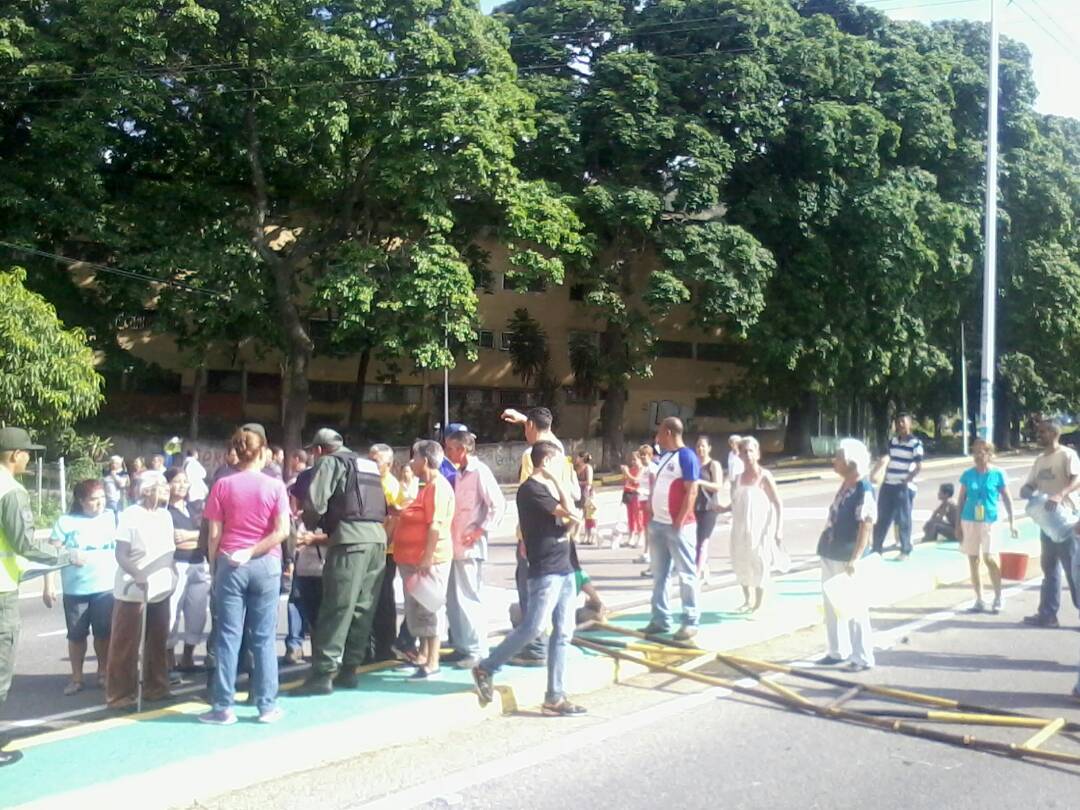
[(879, 410), (299, 350), (613, 345), (356, 403), (196, 401), (611, 425), (802, 419)]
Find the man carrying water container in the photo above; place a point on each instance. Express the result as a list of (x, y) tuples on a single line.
[(1055, 474)]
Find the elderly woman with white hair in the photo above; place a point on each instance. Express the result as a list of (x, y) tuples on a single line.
[(757, 522), (842, 545), (423, 549)]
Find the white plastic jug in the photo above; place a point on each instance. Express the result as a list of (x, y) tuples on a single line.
[(1057, 524)]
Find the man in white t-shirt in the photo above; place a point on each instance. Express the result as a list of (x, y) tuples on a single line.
[(1056, 474), (672, 530)]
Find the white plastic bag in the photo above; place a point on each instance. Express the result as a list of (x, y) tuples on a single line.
[(427, 589)]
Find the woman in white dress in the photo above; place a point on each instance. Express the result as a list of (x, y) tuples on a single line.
[(757, 521)]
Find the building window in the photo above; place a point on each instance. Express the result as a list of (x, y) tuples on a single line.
[(329, 391), (515, 283), (486, 339), (335, 391), (506, 340), (717, 352), (708, 406), (223, 382), (682, 349), (263, 389)]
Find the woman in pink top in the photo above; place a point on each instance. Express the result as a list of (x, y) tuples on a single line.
[(248, 515)]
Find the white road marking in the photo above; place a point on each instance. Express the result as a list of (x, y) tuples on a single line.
[(52, 633)]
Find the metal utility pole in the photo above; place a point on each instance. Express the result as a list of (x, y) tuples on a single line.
[(963, 386), (989, 353)]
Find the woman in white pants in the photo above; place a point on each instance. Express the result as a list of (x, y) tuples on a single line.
[(190, 601), (842, 545)]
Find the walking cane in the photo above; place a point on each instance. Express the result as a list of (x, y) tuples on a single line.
[(142, 647)]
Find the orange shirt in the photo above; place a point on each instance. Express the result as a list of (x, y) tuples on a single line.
[(433, 508)]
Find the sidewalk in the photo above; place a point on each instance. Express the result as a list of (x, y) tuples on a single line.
[(166, 758)]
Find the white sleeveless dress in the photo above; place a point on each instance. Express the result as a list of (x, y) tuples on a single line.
[(752, 531)]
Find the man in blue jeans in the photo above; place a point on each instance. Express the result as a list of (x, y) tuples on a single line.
[(897, 494), (1056, 474), (672, 529), (544, 507)]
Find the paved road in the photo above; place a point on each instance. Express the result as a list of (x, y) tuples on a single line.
[(660, 742), (42, 669)]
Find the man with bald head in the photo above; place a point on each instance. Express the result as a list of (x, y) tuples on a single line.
[(672, 535)]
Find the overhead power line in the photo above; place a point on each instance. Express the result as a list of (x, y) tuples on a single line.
[(116, 271)]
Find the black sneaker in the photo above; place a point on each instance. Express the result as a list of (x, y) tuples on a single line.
[(485, 688), (654, 629), (828, 661), (347, 679), (1039, 620), (10, 757), (314, 685), (563, 708)]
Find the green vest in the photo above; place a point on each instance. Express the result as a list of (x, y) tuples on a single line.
[(9, 560)]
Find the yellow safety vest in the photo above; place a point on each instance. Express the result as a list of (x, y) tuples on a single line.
[(9, 560)]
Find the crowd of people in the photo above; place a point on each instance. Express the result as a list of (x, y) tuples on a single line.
[(160, 556)]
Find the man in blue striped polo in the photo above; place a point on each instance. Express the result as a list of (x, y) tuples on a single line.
[(902, 466)]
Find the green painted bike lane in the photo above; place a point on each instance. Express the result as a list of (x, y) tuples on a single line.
[(119, 754)]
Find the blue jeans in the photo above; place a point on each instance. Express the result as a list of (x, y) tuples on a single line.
[(537, 647), (894, 503), (247, 592), (553, 595), (1054, 557), (675, 550)]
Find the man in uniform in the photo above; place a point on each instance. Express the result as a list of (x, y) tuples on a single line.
[(17, 540), (346, 494)]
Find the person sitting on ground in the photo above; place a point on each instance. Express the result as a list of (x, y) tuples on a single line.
[(88, 589), (423, 548), (982, 487), (146, 578), (544, 506), (945, 518)]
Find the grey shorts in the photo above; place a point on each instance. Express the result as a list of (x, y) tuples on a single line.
[(422, 622)]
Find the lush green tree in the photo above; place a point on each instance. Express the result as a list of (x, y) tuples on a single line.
[(643, 139), (47, 376), (298, 137)]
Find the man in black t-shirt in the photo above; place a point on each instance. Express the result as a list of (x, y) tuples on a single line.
[(543, 509)]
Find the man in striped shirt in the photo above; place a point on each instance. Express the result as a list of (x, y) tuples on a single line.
[(902, 466)]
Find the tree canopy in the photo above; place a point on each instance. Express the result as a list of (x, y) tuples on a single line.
[(800, 179), (47, 376)]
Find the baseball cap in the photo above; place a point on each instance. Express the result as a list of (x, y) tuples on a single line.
[(255, 427), (325, 437), (455, 427), (13, 438)]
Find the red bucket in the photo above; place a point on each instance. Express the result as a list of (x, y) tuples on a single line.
[(1014, 565)]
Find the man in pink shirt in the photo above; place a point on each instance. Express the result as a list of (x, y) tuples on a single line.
[(479, 506)]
